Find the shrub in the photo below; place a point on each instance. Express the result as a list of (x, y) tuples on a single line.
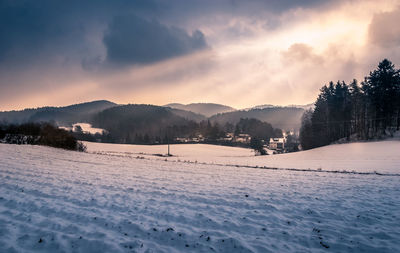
[(258, 146), (41, 134), (56, 137)]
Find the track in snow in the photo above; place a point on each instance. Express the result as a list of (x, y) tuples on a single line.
[(59, 201)]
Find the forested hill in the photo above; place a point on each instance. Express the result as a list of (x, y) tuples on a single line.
[(142, 123), (66, 115), (288, 118), (152, 124), (149, 124)]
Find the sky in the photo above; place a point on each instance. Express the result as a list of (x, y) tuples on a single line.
[(240, 53)]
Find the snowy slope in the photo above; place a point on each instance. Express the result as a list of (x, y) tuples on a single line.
[(86, 128), (364, 157), (53, 200)]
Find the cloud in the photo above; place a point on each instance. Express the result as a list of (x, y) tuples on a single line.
[(300, 52), (49, 32), (276, 5), (133, 40), (237, 7), (27, 30), (384, 30), (58, 32), (61, 52)]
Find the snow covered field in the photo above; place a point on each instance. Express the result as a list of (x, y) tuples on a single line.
[(117, 200), (364, 157)]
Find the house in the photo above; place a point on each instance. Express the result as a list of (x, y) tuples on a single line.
[(277, 143), (228, 138), (182, 139), (243, 138), (230, 135)]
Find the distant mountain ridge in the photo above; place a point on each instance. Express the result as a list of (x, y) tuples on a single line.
[(206, 109), (305, 107), (65, 115), (284, 117), (188, 114)]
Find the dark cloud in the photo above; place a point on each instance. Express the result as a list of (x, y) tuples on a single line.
[(132, 40), (237, 7), (27, 29), (41, 32), (275, 5), (38, 31), (207, 11), (384, 29)]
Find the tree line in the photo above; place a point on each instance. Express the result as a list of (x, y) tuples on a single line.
[(211, 132), (354, 111), (148, 124), (39, 134)]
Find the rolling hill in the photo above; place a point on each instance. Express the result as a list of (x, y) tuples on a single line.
[(135, 123), (287, 118)]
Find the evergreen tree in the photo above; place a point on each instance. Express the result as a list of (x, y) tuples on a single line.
[(146, 139), (320, 119), (306, 131), (381, 89), (257, 145), (342, 110), (357, 110)]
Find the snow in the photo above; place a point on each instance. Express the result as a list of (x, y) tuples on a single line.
[(361, 157), (86, 128), (53, 200)]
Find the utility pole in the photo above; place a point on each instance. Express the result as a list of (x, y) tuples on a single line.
[(168, 143)]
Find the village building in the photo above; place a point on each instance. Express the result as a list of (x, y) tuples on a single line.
[(277, 143), (243, 138)]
